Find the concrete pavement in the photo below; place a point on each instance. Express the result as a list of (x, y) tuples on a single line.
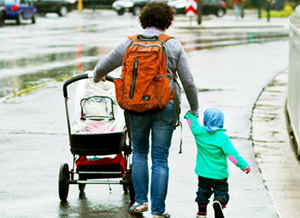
[(274, 155), (271, 191), (279, 167)]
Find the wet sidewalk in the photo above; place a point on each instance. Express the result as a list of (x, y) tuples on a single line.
[(277, 162), (234, 78), (229, 31)]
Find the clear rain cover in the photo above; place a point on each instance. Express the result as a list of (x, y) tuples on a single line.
[(96, 109)]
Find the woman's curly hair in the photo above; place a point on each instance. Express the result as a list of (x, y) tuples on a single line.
[(157, 14)]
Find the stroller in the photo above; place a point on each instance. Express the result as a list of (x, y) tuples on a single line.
[(98, 139)]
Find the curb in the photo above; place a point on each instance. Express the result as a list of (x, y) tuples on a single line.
[(273, 152)]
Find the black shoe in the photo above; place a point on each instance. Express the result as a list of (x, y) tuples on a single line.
[(218, 210)]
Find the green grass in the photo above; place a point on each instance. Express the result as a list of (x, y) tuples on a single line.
[(286, 12), (30, 88)]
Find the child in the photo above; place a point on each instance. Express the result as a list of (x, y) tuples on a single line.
[(214, 147)]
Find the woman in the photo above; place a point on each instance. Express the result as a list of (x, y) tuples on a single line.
[(155, 18)]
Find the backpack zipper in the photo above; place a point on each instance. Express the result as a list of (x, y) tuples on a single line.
[(132, 85)]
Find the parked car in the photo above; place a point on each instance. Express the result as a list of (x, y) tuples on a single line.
[(2, 12), (99, 4), (216, 7), (19, 10), (60, 7), (132, 6)]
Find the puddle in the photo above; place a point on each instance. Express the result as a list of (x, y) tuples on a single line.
[(202, 39), (47, 66), (46, 58), (61, 61), (16, 83)]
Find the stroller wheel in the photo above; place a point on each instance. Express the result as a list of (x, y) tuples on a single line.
[(63, 182)]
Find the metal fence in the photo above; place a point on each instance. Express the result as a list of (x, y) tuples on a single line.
[(293, 98)]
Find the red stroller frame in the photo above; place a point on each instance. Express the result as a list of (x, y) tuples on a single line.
[(92, 171)]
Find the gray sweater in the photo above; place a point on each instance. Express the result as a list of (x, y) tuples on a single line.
[(177, 61)]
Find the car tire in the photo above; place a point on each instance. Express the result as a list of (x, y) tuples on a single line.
[(121, 12), (63, 10), (136, 10), (33, 19), (19, 19), (220, 12)]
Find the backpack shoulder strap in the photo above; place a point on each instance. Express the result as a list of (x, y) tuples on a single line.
[(164, 37), (133, 37)]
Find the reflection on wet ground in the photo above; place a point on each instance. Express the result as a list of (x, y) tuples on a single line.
[(204, 39), (87, 205), (12, 84), (46, 58)]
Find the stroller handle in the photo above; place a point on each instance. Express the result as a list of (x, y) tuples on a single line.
[(109, 78), (71, 80), (80, 77)]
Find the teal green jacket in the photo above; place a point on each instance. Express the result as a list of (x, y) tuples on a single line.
[(213, 149)]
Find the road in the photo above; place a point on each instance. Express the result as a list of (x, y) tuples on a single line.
[(56, 47), (33, 130)]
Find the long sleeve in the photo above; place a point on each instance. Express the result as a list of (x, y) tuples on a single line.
[(178, 61), (193, 123), (187, 81), (213, 150), (111, 61), (233, 155)]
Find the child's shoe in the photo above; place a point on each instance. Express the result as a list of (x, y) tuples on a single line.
[(218, 210), (138, 207), (200, 215), (164, 215)]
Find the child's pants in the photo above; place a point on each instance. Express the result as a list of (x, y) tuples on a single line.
[(207, 187)]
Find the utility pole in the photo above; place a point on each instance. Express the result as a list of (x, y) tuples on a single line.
[(199, 11), (242, 9), (268, 10), (259, 8)]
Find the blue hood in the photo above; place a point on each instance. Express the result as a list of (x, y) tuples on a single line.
[(213, 119)]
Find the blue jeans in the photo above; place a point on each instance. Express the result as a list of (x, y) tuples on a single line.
[(160, 125), (207, 187)]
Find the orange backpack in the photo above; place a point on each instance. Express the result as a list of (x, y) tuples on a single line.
[(144, 84)]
